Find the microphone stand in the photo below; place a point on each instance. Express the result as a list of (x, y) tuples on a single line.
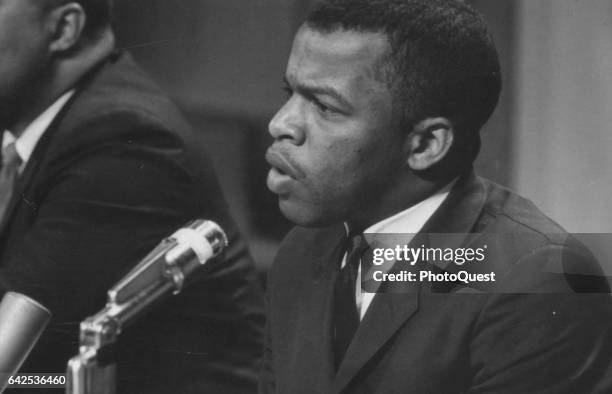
[(164, 270)]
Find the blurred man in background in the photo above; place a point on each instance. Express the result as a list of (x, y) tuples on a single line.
[(378, 135), (97, 167)]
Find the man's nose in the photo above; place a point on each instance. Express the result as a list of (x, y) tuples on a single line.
[(288, 123)]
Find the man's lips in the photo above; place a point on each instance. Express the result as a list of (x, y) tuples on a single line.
[(282, 164), (283, 173)]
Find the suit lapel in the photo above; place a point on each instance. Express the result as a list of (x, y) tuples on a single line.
[(387, 313), (396, 304), (24, 180), (31, 168)]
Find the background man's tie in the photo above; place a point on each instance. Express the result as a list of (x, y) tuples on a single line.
[(346, 316), (8, 175)]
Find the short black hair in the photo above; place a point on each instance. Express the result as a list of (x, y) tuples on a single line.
[(99, 14), (443, 60)]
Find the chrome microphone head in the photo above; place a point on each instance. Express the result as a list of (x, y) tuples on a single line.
[(173, 260), (215, 236), (22, 321)]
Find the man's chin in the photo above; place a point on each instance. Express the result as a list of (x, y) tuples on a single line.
[(304, 216)]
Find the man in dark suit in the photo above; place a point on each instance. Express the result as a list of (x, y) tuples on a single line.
[(99, 166), (378, 135)]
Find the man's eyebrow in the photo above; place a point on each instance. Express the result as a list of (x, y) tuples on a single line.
[(323, 89)]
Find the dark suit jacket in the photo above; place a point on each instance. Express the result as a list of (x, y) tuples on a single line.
[(117, 171), (428, 340)]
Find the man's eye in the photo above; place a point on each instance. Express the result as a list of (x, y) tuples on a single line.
[(322, 107)]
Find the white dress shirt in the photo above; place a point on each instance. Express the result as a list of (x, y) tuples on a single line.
[(27, 141), (409, 221)]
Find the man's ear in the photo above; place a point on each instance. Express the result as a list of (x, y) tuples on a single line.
[(429, 142), (67, 24)]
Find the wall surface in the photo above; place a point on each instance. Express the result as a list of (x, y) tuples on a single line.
[(563, 110), (495, 159)]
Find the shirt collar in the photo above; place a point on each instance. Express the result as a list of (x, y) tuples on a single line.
[(25, 144), (408, 221), (414, 218)]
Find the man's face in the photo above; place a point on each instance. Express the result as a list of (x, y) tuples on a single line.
[(23, 55), (338, 146)]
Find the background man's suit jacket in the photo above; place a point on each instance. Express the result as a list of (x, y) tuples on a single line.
[(439, 340), (115, 173)]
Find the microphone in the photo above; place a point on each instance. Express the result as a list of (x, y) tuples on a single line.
[(163, 271), (172, 261), (22, 321)]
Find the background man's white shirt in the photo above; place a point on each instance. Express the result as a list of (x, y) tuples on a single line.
[(27, 141)]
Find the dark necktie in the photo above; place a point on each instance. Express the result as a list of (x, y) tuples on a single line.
[(346, 316), (8, 175)]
